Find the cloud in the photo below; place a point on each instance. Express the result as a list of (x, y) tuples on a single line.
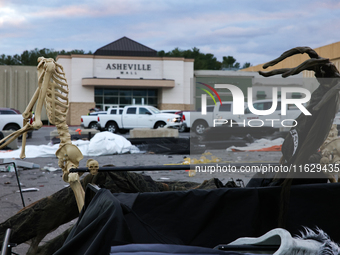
[(9, 16), (251, 31), (92, 9)]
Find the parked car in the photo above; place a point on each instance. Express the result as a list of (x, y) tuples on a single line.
[(170, 111), (216, 114), (137, 116), (182, 127), (90, 120), (11, 119), (198, 122)]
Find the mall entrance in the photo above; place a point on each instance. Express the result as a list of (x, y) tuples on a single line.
[(120, 97)]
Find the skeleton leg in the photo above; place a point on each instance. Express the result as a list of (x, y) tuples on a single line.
[(73, 179), (69, 156)]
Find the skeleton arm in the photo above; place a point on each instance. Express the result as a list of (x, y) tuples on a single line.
[(53, 90), (319, 65), (27, 114), (44, 77), (297, 50), (38, 98), (274, 72), (310, 64), (307, 65)]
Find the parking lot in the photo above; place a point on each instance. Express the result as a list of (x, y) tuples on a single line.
[(48, 182)]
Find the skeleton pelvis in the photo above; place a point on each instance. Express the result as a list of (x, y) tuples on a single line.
[(69, 153)]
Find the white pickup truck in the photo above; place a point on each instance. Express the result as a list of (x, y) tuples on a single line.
[(219, 114), (11, 119), (90, 121), (137, 116)]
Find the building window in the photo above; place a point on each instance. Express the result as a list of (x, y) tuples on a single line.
[(261, 95), (108, 97)]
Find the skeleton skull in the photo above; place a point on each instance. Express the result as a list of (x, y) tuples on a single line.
[(93, 166)]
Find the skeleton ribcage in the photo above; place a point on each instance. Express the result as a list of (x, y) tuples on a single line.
[(56, 100)]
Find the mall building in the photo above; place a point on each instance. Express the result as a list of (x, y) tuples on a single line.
[(126, 72)]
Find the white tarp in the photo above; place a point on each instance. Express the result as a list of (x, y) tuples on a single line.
[(103, 143), (258, 144)]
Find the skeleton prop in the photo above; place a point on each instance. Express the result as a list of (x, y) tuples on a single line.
[(93, 166), (311, 131), (330, 151), (53, 92), (304, 140)]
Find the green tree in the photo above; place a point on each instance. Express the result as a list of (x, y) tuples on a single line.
[(202, 61), (30, 58), (246, 65), (230, 62)]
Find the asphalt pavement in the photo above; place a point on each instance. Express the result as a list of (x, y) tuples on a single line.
[(46, 181)]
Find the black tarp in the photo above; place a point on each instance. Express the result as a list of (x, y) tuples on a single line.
[(202, 218), (166, 249), (101, 224)]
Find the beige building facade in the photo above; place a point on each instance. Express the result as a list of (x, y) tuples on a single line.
[(124, 73), (330, 51), (17, 86)]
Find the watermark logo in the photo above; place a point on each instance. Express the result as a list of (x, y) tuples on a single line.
[(204, 97), (238, 99)]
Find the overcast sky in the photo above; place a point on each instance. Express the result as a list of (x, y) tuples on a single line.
[(251, 31)]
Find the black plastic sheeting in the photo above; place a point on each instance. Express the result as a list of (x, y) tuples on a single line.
[(168, 145), (166, 249), (204, 218), (212, 138), (192, 145), (226, 133)]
